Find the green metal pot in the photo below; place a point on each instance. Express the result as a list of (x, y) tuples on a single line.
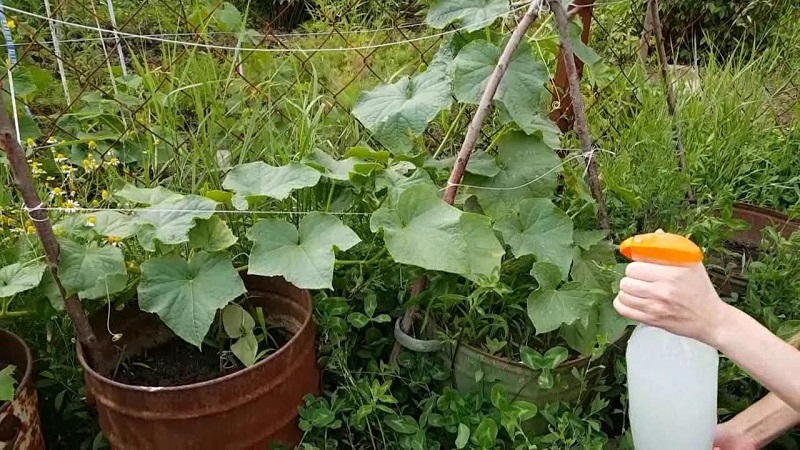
[(521, 382)]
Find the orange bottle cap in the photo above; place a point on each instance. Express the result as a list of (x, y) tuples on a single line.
[(661, 248)]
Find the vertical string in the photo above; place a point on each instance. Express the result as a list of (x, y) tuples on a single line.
[(12, 55), (110, 6), (57, 51)]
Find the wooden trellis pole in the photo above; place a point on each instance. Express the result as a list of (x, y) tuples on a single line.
[(470, 141), (562, 114), (655, 22), (100, 355), (581, 126)]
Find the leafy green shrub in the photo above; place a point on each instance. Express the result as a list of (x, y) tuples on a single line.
[(722, 26)]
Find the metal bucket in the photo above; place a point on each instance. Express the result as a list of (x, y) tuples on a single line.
[(20, 428), (251, 409), (758, 218)]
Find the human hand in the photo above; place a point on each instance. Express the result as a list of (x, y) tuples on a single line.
[(679, 299), (727, 437)]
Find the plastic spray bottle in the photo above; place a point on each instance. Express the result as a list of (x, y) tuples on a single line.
[(672, 380)]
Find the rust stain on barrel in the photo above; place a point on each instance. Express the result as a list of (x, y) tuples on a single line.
[(249, 409), (20, 426)]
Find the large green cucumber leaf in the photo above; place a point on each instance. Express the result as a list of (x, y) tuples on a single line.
[(398, 113), (541, 229), (90, 270), (604, 325), (396, 183), (520, 89), (593, 267), (17, 278), (422, 230), (549, 307), (169, 221), (471, 14), (259, 179), (187, 294), (528, 169), (304, 257), (212, 235), (342, 169), (112, 223), (148, 196)]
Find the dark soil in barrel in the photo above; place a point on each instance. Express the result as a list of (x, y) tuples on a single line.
[(175, 363), (178, 363), (731, 260)]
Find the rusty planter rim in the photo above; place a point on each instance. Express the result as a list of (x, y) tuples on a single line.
[(28, 374), (187, 387), (569, 363)]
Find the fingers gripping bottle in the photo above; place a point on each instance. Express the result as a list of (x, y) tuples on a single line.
[(672, 380)]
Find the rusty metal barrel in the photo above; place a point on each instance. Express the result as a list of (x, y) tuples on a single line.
[(250, 409), (20, 427)]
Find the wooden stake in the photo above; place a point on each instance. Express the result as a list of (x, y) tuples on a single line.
[(581, 127), (471, 140), (658, 32), (562, 114), (100, 355)]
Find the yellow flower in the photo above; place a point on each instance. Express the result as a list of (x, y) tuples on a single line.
[(92, 145), (89, 164), (113, 161), (60, 158), (95, 203), (11, 24), (52, 140), (58, 192), (105, 194), (90, 221), (70, 206), (113, 240), (36, 168), (30, 142)]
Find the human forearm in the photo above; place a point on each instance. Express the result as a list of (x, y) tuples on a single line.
[(771, 361), (765, 420)]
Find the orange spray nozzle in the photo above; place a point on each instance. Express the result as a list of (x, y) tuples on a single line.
[(661, 248)]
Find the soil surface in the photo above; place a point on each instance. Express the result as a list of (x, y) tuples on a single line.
[(175, 363), (178, 363), (731, 260)]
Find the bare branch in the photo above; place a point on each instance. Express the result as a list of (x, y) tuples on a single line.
[(471, 140), (473, 131), (581, 127), (655, 21)]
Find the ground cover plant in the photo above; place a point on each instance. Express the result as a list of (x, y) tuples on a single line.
[(169, 182)]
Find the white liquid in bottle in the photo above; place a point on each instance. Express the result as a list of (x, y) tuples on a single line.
[(672, 390)]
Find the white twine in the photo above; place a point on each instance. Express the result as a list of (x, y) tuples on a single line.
[(81, 209)]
